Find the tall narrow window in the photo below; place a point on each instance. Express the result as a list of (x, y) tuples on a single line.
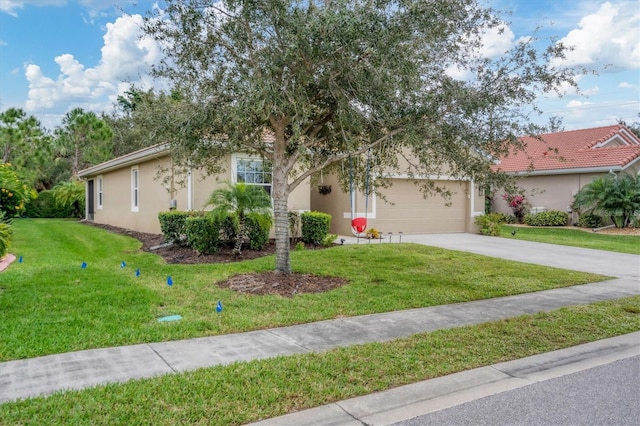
[(100, 196), (253, 171), (135, 189)]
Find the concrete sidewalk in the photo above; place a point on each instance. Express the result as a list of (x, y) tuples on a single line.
[(78, 370)]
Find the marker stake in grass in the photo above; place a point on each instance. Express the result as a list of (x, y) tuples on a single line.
[(84, 265), (123, 264), (138, 272), (169, 281), (170, 318)]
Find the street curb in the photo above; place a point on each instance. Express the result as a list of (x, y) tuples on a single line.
[(409, 401)]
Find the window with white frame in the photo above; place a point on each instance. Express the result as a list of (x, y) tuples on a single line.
[(100, 192), (135, 189), (253, 171)]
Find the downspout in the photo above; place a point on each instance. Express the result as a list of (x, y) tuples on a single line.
[(189, 190)]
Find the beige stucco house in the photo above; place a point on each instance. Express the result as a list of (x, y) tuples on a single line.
[(553, 167), (130, 191)]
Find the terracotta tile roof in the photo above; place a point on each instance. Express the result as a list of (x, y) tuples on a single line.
[(601, 147)]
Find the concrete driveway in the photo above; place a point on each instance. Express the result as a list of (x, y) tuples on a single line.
[(578, 259)]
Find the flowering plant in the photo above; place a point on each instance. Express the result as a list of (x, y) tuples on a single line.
[(13, 193), (518, 205)]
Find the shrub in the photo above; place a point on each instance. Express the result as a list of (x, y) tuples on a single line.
[(6, 234), (258, 227), (229, 228), (45, 207), (13, 193), (202, 233), (315, 226), (518, 204), (489, 224), (590, 221), (550, 218), (329, 239), (70, 194), (173, 225)]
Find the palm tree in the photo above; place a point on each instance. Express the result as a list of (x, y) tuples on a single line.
[(615, 196), (242, 200), (70, 194)]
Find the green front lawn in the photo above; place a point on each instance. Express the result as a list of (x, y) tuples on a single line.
[(50, 304), (250, 391), (574, 237)]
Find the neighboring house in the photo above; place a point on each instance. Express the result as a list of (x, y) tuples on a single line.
[(130, 191), (553, 167)]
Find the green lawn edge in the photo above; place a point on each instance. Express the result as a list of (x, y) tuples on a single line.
[(249, 391), (629, 244), (52, 305)]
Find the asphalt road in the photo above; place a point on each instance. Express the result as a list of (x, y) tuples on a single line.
[(603, 395)]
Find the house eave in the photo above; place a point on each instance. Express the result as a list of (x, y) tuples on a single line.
[(583, 170), (126, 160)]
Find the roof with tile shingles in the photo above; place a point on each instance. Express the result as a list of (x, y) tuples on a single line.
[(597, 148)]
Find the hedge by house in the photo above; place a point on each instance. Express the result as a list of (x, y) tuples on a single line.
[(315, 226), (549, 218)]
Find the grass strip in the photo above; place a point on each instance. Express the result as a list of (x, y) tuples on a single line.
[(50, 304), (574, 237), (245, 392)]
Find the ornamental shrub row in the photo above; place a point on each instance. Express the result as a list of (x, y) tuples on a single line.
[(206, 233), (549, 218)]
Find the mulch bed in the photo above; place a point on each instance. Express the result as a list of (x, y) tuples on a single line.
[(270, 282)]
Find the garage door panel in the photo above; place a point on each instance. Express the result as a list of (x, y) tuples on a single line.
[(411, 213)]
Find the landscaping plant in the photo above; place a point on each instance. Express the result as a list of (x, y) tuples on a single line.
[(616, 196), (243, 200)]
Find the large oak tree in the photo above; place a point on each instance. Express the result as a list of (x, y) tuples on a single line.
[(336, 78)]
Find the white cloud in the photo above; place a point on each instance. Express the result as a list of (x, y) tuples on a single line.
[(577, 104), (126, 57), (10, 7), (493, 43), (607, 38), (625, 85), (496, 41)]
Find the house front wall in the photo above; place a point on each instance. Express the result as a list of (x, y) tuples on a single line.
[(400, 208), (156, 193)]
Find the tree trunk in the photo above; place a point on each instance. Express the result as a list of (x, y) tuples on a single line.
[(280, 196)]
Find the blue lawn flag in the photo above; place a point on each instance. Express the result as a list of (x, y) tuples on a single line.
[(138, 272), (123, 264), (169, 281), (219, 306), (84, 265), (20, 259)]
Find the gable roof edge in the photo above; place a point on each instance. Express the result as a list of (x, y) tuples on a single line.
[(125, 160)]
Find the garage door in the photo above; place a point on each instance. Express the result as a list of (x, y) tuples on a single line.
[(409, 212)]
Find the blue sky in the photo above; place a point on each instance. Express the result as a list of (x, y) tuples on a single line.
[(56, 55)]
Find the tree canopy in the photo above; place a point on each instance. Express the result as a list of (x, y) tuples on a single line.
[(26, 145), (83, 140), (306, 84)]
